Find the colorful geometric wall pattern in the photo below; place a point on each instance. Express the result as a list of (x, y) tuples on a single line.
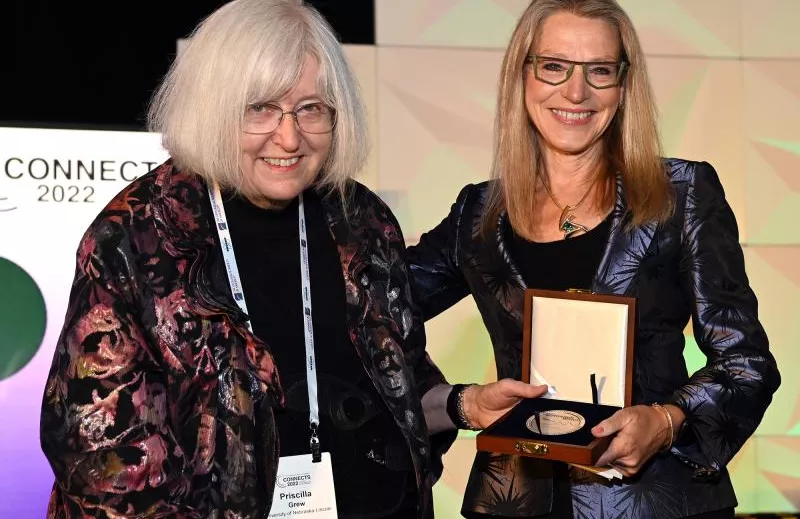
[(726, 75)]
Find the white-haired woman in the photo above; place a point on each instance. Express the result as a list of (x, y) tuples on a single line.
[(191, 365), (581, 198)]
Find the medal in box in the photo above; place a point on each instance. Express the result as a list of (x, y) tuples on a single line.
[(580, 345)]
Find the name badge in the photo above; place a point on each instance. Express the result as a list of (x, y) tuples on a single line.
[(304, 489)]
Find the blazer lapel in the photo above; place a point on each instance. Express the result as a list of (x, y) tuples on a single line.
[(353, 255), (181, 212), (624, 250)]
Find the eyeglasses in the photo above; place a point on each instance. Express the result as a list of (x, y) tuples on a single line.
[(598, 74), (310, 118)]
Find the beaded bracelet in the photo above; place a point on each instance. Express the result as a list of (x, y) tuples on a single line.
[(669, 421), (455, 407), (460, 407)]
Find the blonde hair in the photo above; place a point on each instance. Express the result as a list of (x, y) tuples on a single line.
[(632, 143), (249, 51)]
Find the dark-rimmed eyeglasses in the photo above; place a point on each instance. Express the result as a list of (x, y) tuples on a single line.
[(598, 74), (310, 118)]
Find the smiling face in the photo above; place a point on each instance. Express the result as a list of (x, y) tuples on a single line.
[(572, 117), (278, 166)]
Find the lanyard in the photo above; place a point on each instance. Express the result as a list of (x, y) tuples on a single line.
[(238, 295)]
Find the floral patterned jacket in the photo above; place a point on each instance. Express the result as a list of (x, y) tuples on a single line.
[(159, 402), (690, 267)]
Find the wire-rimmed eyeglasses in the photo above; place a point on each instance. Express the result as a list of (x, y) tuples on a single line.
[(310, 118), (598, 74)]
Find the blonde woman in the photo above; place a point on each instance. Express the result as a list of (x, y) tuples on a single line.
[(581, 198), (199, 353)]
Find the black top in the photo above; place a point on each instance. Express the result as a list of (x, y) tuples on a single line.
[(371, 465), (559, 265), (562, 264)]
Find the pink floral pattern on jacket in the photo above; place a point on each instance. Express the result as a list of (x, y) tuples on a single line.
[(159, 402)]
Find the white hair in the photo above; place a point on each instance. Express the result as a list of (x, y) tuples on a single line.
[(249, 51)]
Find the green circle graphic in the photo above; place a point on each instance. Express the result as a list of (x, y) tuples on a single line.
[(22, 318)]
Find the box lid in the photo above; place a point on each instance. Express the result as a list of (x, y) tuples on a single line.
[(570, 336)]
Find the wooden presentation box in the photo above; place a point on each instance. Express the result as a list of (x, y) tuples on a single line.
[(580, 344)]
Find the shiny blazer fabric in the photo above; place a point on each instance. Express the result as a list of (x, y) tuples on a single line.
[(690, 267)]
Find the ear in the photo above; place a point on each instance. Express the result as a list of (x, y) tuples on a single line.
[(621, 98)]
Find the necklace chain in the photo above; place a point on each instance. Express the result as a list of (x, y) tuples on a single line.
[(578, 203), (567, 223)]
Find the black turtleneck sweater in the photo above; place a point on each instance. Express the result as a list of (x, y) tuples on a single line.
[(372, 469)]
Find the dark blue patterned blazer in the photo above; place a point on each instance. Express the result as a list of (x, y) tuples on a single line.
[(691, 266)]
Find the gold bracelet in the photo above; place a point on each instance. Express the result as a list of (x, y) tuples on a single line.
[(669, 421)]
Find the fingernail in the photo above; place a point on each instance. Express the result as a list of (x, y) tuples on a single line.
[(598, 429)]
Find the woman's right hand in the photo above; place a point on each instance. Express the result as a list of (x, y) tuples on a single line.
[(483, 404)]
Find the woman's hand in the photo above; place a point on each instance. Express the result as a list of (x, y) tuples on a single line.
[(483, 404), (641, 431)]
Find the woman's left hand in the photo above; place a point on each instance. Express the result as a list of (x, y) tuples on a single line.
[(641, 431)]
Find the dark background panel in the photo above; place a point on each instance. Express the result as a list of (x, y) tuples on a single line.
[(95, 64)]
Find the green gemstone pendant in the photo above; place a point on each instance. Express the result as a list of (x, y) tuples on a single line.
[(568, 225)]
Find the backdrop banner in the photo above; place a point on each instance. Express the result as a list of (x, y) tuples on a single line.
[(52, 185)]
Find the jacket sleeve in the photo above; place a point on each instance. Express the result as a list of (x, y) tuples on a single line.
[(105, 424), (438, 280), (426, 374), (724, 401)]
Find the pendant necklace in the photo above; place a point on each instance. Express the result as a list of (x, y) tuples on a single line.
[(567, 223)]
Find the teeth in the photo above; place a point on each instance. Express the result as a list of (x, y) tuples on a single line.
[(574, 116), (281, 162)]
